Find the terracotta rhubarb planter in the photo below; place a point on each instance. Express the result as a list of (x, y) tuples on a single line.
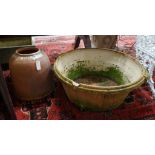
[(127, 72)]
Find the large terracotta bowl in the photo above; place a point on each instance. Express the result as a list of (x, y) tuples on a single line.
[(99, 98)]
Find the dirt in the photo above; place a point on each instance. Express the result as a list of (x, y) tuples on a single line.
[(96, 81)]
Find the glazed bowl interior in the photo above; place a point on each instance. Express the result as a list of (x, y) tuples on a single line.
[(100, 59)]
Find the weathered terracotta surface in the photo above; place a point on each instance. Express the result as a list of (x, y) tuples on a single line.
[(31, 73), (104, 41), (95, 101)]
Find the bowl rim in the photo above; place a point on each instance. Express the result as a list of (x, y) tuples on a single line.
[(102, 88)]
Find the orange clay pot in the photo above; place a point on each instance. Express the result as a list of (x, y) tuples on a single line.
[(31, 75)]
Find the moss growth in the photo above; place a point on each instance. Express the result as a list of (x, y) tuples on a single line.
[(112, 73)]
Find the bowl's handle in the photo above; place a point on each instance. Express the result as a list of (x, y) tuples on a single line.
[(86, 40)]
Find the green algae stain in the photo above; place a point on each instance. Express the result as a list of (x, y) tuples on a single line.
[(112, 73)]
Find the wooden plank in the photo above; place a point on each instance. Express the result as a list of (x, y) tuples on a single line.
[(9, 41)]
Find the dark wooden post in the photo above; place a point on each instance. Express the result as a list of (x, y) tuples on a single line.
[(86, 40), (6, 97)]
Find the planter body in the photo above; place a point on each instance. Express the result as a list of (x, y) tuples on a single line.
[(31, 74)]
